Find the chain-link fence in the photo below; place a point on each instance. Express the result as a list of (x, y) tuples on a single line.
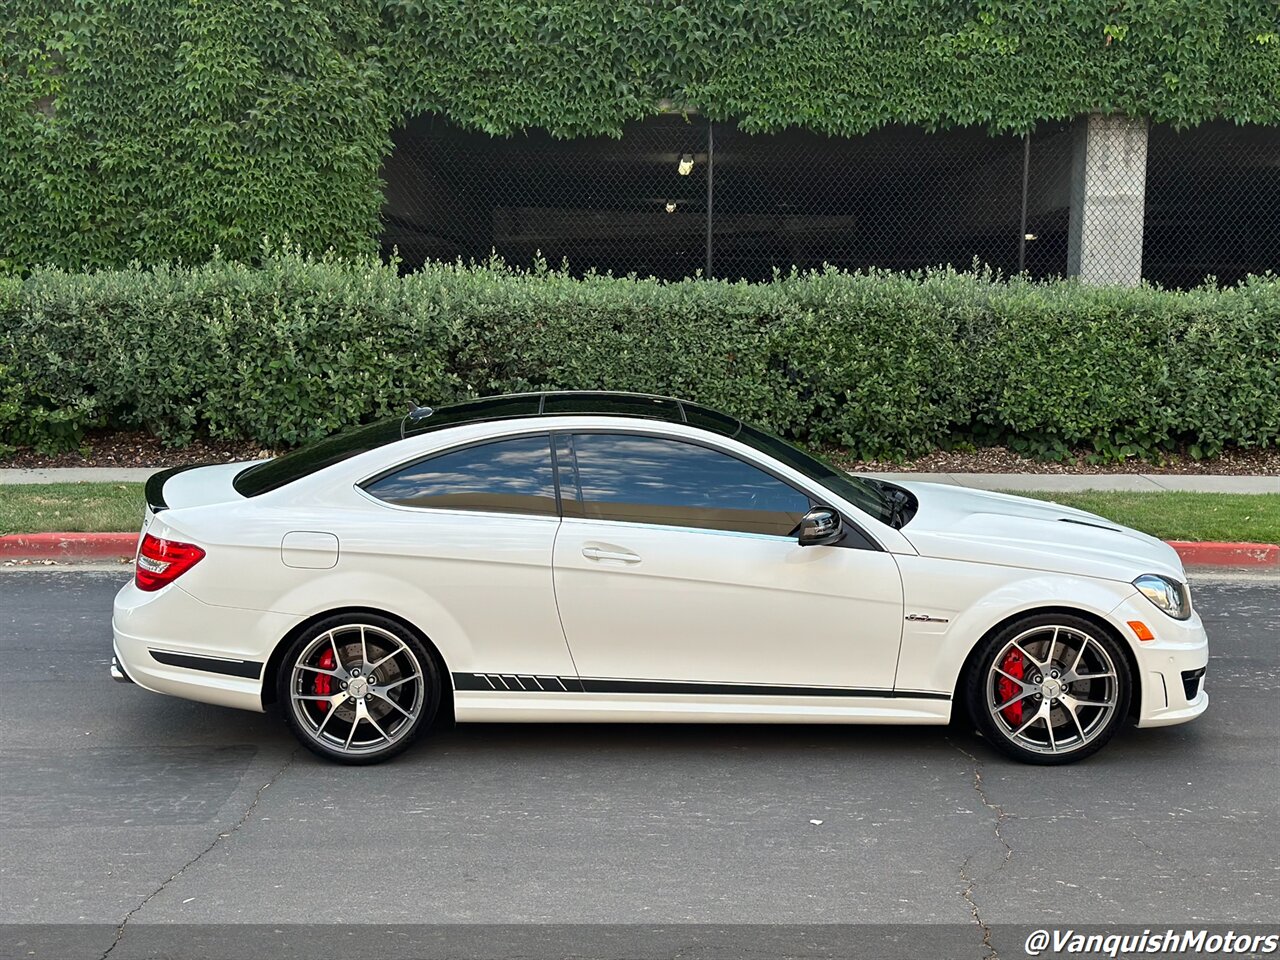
[(1105, 198), (1212, 204)]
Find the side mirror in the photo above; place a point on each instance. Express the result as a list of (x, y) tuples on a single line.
[(819, 526)]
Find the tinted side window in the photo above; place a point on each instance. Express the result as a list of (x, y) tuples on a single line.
[(504, 476), (653, 480)]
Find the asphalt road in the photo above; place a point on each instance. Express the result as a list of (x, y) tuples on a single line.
[(117, 804)]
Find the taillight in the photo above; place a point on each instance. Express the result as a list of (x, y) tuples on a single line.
[(161, 562)]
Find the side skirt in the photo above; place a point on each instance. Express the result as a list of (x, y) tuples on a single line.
[(507, 698)]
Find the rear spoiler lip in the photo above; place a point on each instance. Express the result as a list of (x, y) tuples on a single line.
[(154, 490)]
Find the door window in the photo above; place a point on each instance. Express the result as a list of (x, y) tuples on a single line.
[(641, 479), (503, 476)]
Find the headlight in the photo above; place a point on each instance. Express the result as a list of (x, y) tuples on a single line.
[(1169, 595)]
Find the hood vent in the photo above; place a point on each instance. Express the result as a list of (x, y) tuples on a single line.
[(1089, 523)]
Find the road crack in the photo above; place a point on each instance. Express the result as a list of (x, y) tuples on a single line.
[(1133, 833), (966, 877), (223, 835)]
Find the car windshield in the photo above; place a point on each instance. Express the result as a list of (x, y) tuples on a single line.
[(868, 495)]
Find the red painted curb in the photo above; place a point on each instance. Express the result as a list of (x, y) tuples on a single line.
[(68, 546), (1195, 554), (113, 546)]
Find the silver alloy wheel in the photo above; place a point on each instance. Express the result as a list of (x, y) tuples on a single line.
[(1066, 695), (357, 689)]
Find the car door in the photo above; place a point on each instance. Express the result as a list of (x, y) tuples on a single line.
[(677, 563), (468, 533)]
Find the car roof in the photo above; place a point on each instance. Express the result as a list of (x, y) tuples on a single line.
[(272, 474), (543, 403)]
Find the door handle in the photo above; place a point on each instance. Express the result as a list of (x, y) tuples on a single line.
[(598, 553)]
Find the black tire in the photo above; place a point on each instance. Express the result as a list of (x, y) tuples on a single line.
[(330, 660), (1072, 725)]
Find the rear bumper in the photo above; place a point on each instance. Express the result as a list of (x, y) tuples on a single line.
[(169, 642)]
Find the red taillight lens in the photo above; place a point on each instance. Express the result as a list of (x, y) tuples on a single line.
[(161, 562)]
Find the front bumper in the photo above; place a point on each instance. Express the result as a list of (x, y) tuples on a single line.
[(1171, 668), (169, 642)]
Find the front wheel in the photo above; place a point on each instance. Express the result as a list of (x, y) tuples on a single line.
[(1048, 689), (358, 689)]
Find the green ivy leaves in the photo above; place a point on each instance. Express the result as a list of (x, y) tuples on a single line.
[(156, 130)]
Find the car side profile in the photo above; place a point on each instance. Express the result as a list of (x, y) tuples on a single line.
[(607, 557)]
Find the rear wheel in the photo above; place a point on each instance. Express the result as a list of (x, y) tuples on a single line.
[(358, 688), (1049, 689)]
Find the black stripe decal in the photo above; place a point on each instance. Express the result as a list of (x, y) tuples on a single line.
[(231, 668), (481, 681), (502, 682)]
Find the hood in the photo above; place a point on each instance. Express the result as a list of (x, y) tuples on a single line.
[(957, 523)]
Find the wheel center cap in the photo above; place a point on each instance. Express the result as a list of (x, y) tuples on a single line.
[(358, 687), (1051, 688)]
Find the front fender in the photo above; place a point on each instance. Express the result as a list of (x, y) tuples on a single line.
[(965, 600)]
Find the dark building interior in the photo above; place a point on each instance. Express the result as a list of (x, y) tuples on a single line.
[(676, 195)]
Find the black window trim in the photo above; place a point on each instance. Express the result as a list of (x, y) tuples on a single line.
[(541, 430), (567, 436), (855, 538)]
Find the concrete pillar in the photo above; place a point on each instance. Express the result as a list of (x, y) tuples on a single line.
[(1108, 200)]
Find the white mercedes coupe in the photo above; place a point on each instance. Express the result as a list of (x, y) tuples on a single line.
[(598, 557)]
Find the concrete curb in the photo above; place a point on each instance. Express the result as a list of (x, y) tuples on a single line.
[(68, 546), (114, 546), (1195, 554)]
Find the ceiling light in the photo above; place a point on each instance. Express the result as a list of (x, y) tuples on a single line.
[(686, 165), (671, 206)]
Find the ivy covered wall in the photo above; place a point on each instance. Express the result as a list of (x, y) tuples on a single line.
[(156, 129)]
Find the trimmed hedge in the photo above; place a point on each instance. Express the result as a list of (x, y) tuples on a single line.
[(886, 365)]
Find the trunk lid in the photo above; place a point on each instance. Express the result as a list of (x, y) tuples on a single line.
[(192, 486)]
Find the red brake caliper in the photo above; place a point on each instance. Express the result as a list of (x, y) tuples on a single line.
[(324, 684), (1013, 665)]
